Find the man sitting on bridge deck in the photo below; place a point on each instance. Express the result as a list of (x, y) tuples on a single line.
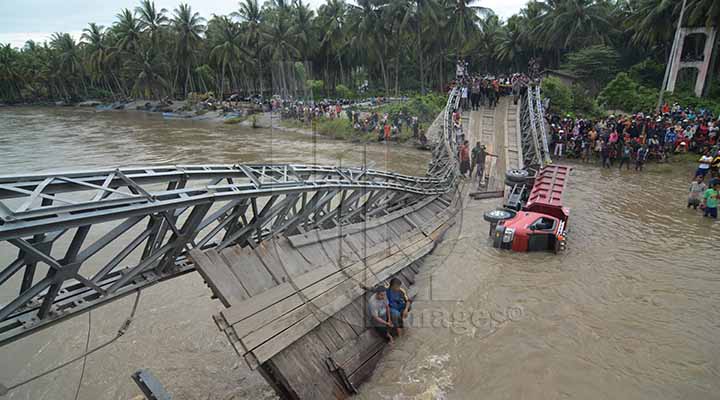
[(379, 311)]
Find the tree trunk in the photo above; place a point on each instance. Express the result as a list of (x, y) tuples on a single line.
[(420, 58), (221, 94), (397, 73), (384, 73)]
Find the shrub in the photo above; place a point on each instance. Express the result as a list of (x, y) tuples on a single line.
[(594, 65), (648, 73), (344, 91), (561, 98), (233, 120)]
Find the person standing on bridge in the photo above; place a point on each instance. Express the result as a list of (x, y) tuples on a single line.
[(464, 158), (479, 154), (475, 94)]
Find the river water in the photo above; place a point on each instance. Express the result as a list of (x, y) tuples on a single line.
[(630, 311), (173, 334)]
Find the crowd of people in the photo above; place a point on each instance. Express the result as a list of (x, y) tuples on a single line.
[(386, 126), (634, 140)]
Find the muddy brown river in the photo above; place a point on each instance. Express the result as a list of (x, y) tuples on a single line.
[(630, 311)]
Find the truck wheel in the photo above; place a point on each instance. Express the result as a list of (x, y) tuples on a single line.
[(495, 216), (517, 175)]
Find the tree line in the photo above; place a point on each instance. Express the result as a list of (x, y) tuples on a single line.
[(396, 45)]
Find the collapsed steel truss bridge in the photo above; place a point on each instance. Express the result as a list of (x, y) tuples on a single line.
[(72, 241), (77, 240)]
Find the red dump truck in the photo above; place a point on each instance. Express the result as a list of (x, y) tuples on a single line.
[(534, 220)]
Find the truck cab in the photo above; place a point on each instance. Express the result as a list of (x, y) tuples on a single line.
[(541, 223)]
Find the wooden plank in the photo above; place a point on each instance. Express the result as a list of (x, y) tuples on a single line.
[(315, 235), (401, 226), (355, 314), (267, 341), (355, 353), (341, 325), (276, 294), (408, 275), (415, 268), (248, 268), (293, 261), (303, 374), (224, 285), (330, 338), (339, 251), (315, 254), (267, 255), (363, 373)]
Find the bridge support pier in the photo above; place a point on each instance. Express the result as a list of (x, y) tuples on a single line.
[(702, 66)]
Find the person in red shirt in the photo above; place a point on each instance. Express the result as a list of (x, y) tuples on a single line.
[(387, 131)]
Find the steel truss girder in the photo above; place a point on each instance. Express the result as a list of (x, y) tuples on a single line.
[(533, 132), (145, 219)]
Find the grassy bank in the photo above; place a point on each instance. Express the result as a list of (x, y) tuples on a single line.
[(339, 128)]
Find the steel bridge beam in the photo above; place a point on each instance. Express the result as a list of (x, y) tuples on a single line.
[(152, 216)]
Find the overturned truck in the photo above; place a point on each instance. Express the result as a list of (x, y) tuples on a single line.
[(533, 217)]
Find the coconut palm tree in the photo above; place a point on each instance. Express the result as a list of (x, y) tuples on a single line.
[(10, 77), (70, 64), (251, 22), (302, 17), (152, 20), (149, 74), (279, 40), (224, 36), (127, 31), (705, 12), (464, 22), (188, 26), (369, 33), (98, 55), (571, 24), (509, 47), (332, 24)]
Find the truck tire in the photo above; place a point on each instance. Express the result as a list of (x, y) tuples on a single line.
[(497, 215), (517, 175)]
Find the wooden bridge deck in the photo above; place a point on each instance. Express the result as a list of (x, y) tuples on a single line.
[(296, 305)]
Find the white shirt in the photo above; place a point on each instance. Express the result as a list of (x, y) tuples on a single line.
[(705, 162)]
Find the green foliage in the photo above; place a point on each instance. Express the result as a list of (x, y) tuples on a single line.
[(626, 94), (623, 93), (344, 92), (426, 107), (561, 96), (315, 86), (338, 128), (594, 65), (234, 120), (648, 73), (395, 45), (584, 103)]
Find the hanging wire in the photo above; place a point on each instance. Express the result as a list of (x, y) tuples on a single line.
[(121, 331), (87, 346)]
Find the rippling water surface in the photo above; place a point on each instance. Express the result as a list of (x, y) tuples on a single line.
[(630, 311), (173, 334)]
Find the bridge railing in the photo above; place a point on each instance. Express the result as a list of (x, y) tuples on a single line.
[(72, 241)]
